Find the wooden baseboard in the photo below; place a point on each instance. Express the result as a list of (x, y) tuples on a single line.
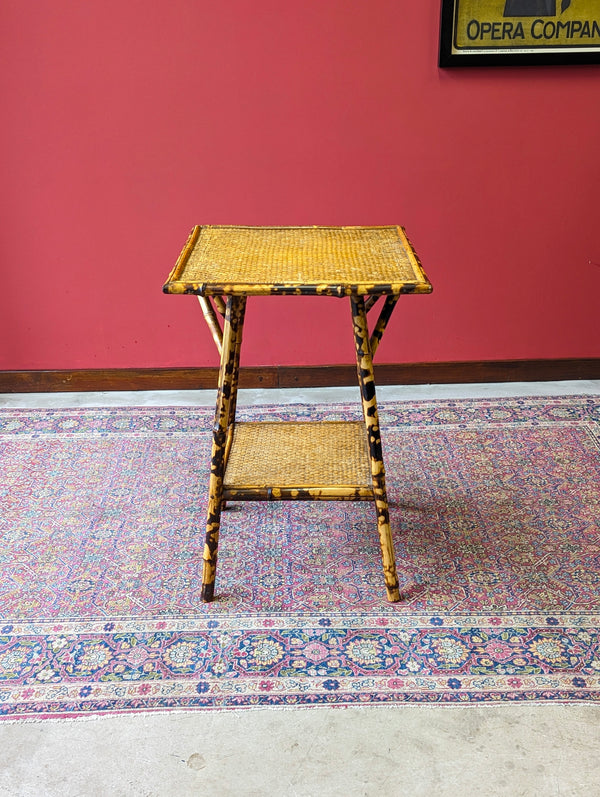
[(84, 380)]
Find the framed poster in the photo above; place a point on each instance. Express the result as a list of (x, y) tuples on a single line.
[(519, 32)]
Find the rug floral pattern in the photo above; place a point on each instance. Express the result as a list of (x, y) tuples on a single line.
[(495, 509)]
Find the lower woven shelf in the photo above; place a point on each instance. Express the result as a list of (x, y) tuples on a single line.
[(307, 460)]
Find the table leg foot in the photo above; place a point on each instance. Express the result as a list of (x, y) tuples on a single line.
[(209, 571), (393, 594), (387, 553), (209, 556), (208, 592)]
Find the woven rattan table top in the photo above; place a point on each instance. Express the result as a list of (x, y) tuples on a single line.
[(329, 261)]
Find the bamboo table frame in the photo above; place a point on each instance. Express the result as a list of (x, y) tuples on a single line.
[(223, 266)]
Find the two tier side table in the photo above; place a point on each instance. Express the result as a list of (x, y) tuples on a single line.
[(307, 460)]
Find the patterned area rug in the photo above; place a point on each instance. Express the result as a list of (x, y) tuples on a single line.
[(495, 509)]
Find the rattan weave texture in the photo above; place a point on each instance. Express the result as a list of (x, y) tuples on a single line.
[(304, 454), (299, 257)]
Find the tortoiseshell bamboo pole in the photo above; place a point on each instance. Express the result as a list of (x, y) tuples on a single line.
[(224, 420), (384, 317), (234, 386), (370, 302), (339, 493), (211, 319), (366, 380), (220, 304)]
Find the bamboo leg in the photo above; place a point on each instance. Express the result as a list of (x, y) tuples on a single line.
[(224, 419), (236, 372), (366, 381), (237, 343)]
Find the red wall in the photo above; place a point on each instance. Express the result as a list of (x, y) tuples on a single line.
[(127, 122)]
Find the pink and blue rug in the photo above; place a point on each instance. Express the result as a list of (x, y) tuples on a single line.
[(496, 519)]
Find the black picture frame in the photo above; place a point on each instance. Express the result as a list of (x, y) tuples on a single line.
[(491, 48)]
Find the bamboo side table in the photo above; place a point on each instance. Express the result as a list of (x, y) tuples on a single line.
[(306, 461)]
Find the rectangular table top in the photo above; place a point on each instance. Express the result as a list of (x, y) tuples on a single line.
[(328, 261)]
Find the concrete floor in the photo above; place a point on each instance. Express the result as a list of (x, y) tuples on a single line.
[(513, 750)]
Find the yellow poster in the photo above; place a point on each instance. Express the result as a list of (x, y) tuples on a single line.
[(550, 25)]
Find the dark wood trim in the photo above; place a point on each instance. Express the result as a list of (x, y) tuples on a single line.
[(84, 380), (445, 372)]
